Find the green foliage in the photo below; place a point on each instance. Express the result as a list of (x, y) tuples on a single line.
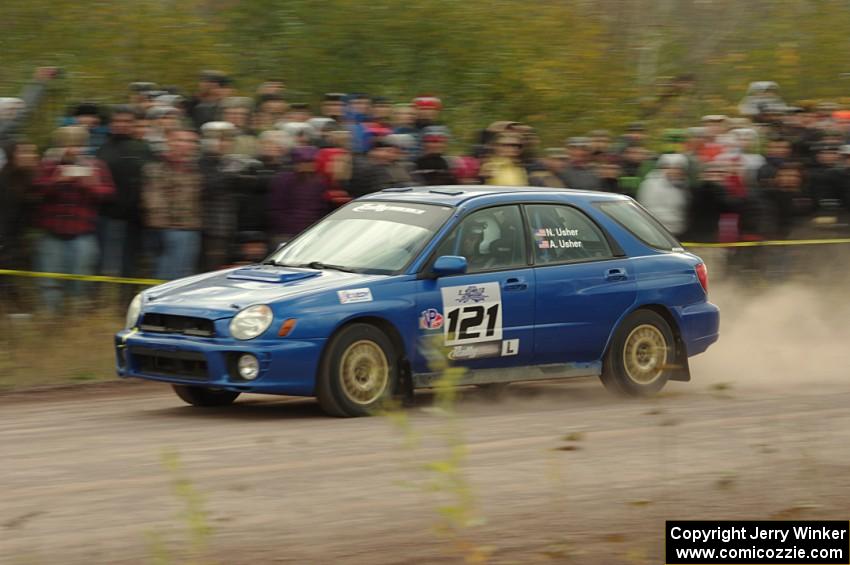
[(564, 66), (194, 516)]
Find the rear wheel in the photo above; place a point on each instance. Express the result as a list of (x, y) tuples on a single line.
[(199, 396), (359, 372), (636, 363)]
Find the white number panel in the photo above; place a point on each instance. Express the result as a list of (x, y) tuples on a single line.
[(472, 313)]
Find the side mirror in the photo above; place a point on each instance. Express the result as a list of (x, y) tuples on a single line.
[(449, 265)]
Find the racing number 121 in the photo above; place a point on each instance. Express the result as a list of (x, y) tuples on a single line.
[(466, 323)]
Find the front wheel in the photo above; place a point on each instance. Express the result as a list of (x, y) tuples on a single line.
[(359, 371), (636, 363), (199, 396)]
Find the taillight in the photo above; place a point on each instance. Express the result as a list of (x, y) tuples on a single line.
[(702, 275)]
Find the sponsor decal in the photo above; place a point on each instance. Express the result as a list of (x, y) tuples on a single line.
[(477, 351), (510, 347), (376, 207), (354, 295), (473, 313), (430, 319)]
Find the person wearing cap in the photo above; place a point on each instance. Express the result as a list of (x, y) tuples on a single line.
[(172, 206), (664, 192), (120, 222), (634, 164), (432, 168), (580, 173), (236, 110), (297, 197), (503, 167), (219, 164), (428, 110), (88, 115), (71, 187), (551, 168), (377, 169), (161, 120)]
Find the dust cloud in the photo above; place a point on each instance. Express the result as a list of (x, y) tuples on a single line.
[(778, 337)]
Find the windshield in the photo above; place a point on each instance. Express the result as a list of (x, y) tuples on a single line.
[(368, 237)]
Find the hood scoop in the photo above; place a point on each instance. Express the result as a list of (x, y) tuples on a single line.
[(271, 274)]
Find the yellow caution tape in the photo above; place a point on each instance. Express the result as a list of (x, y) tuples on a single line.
[(774, 242), (151, 282), (89, 278)]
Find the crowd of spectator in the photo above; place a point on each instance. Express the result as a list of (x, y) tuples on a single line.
[(166, 185)]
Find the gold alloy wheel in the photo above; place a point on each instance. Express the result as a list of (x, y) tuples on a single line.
[(645, 354), (365, 372)]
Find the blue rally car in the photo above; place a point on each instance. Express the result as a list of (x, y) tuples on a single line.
[(512, 283)]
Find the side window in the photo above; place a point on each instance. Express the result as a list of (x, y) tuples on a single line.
[(640, 223), (490, 239), (562, 233)]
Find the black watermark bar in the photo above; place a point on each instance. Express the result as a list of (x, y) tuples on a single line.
[(810, 542)]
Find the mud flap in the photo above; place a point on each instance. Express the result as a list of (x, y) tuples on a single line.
[(679, 369), (405, 383)]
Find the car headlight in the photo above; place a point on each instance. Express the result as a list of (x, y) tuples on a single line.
[(251, 322), (133, 311)]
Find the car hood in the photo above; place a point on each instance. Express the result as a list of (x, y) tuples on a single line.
[(223, 293)]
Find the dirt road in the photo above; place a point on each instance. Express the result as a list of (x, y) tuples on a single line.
[(556, 472)]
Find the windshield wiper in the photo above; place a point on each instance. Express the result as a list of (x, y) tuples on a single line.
[(323, 266)]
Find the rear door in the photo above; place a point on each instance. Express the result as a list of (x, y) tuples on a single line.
[(582, 286), (485, 317)]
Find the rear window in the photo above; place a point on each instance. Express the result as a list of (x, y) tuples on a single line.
[(640, 223)]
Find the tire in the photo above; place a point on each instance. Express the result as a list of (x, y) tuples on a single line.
[(640, 352), (199, 396), (358, 373)]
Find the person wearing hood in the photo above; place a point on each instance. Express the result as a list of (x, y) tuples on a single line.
[(760, 95), (664, 192), (297, 199), (334, 165), (120, 221)]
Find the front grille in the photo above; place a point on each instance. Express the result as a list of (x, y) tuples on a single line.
[(186, 325), (184, 364)]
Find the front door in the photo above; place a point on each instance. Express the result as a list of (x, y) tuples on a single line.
[(485, 317)]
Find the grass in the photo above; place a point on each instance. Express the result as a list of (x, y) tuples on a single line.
[(48, 351)]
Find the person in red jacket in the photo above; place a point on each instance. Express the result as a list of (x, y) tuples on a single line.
[(71, 187), (334, 165)]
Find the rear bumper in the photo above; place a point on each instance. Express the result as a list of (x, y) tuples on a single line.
[(286, 366), (700, 326)]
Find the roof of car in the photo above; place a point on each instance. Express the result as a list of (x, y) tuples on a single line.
[(454, 195)]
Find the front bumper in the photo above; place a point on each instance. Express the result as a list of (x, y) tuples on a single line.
[(287, 366), (700, 326)]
